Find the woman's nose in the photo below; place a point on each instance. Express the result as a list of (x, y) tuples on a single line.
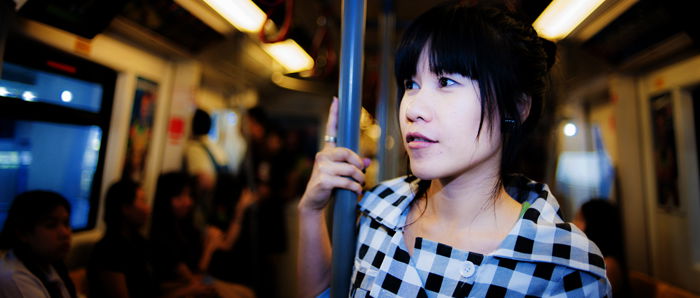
[(418, 107), (65, 230)]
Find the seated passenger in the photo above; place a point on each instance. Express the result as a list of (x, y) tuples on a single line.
[(34, 241), (178, 243), (600, 220), (120, 265)]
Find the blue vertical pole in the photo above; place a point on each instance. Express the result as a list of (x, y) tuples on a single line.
[(386, 101), (350, 95)]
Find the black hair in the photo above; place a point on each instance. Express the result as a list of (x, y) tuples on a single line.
[(120, 194), (28, 210), (201, 122), (491, 45), (170, 185)]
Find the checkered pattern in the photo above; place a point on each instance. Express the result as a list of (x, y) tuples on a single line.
[(541, 256)]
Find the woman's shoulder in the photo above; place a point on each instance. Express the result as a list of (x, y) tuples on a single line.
[(538, 239), (10, 264), (391, 190), (15, 278), (387, 201)]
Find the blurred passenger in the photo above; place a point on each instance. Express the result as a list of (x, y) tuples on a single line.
[(181, 252), (120, 264), (178, 242), (35, 241), (600, 220), (232, 255), (267, 174), (205, 160)]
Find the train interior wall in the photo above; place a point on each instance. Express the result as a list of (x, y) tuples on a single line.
[(611, 108)]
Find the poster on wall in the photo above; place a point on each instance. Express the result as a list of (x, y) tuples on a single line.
[(665, 158), (140, 128)]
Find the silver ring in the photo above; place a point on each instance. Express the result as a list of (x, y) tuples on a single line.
[(330, 139)]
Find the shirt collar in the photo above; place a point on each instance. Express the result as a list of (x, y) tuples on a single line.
[(559, 242)]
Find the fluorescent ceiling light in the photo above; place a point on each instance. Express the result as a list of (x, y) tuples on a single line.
[(243, 14), (563, 16), (290, 55)]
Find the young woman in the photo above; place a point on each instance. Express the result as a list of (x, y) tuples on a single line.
[(173, 233), (120, 264), (35, 240), (471, 80)]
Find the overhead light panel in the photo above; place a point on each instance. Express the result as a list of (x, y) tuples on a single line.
[(243, 14), (290, 55), (563, 16)]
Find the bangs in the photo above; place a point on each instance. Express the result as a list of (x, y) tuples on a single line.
[(450, 42)]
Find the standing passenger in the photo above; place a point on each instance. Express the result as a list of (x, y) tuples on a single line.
[(208, 163), (471, 80), (34, 241)]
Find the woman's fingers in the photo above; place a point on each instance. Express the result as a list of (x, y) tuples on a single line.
[(335, 167), (341, 154), (332, 124), (344, 183), (344, 170)]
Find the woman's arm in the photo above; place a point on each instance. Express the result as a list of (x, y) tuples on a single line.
[(334, 167), (314, 258), (234, 228), (216, 240)]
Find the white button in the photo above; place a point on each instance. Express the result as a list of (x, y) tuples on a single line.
[(468, 270)]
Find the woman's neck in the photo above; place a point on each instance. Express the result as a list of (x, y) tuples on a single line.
[(461, 200)]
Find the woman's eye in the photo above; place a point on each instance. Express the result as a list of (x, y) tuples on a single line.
[(409, 85), (444, 82)]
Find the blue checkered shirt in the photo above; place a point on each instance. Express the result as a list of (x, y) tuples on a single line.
[(540, 256)]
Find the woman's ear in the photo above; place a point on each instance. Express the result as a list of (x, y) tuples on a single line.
[(524, 105)]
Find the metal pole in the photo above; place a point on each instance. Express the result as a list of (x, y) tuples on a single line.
[(350, 94), (386, 101)]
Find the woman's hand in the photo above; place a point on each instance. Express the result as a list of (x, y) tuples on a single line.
[(247, 198), (335, 167)]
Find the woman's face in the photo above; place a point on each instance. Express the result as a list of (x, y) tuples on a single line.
[(182, 204), (439, 119), (51, 237), (137, 214)]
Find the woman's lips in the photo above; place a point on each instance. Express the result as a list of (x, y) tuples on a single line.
[(416, 140)]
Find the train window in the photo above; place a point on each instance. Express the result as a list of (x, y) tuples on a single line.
[(41, 86), (55, 111), (50, 156)]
